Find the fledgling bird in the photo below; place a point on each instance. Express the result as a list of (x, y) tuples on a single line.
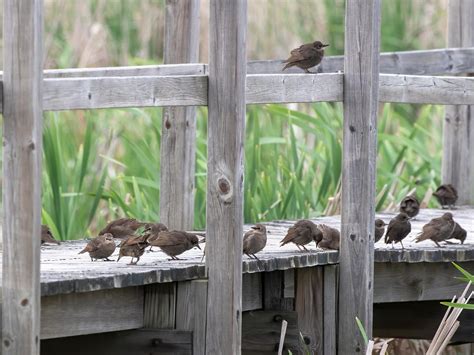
[(153, 229), (133, 246), (459, 233), (331, 237), (174, 243), (446, 195), (379, 229), (410, 205), (398, 228), (438, 229), (100, 247), (47, 236), (301, 233), (122, 228), (254, 240), (306, 56)]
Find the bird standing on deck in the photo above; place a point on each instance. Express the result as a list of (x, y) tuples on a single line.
[(438, 229), (254, 240), (133, 246), (306, 56), (459, 233), (301, 233), (446, 195), (175, 242), (331, 237), (410, 205), (398, 228), (100, 247), (122, 228), (379, 229), (153, 229), (47, 236)]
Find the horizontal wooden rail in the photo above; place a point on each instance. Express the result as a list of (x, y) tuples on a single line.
[(191, 90)]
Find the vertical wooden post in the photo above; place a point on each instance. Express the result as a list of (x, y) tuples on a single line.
[(226, 128), (458, 144), (178, 147), (361, 80), (22, 151), (330, 310)]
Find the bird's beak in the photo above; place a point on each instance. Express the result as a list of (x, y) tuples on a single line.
[(325, 45), (254, 227)]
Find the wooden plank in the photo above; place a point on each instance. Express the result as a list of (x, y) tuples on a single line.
[(404, 282), (309, 306), (361, 74), (178, 129), (91, 312), (191, 312), (274, 292), (445, 61), (289, 283), (160, 306), (418, 320), (136, 342), (252, 293), (226, 129), (261, 332), (22, 152), (458, 132), (330, 310)]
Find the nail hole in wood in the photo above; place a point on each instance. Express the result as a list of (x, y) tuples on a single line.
[(24, 302)]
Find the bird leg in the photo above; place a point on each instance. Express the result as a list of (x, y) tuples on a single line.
[(439, 246), (299, 248), (255, 256), (305, 248), (402, 244), (132, 263), (151, 249), (307, 71), (107, 259)]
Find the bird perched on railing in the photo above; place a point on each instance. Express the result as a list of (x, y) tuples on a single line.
[(153, 229), (133, 246), (331, 237), (47, 236), (398, 228), (446, 195), (459, 233), (100, 247), (306, 56), (410, 205), (254, 240), (301, 233), (438, 229), (379, 229), (174, 243), (122, 228)]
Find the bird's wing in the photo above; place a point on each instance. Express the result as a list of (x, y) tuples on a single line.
[(168, 239), (290, 235)]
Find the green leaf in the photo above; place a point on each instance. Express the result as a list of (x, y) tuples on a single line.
[(466, 273), (362, 330), (469, 306)]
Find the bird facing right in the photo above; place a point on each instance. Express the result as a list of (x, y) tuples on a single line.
[(446, 195), (133, 246), (174, 243), (301, 233), (122, 228), (410, 205), (459, 233), (254, 240), (398, 228), (306, 56), (438, 229)]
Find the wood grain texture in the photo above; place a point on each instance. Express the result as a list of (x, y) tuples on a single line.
[(178, 132), (252, 293), (91, 312), (330, 310), (458, 132), (159, 309), (191, 312), (309, 306), (226, 128), (361, 74), (22, 152), (274, 292)]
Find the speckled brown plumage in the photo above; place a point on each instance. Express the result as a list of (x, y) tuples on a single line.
[(100, 247), (153, 229), (410, 205), (254, 240), (398, 228), (133, 246), (301, 233), (438, 229), (174, 243), (446, 195), (122, 228), (459, 233), (306, 56), (331, 237)]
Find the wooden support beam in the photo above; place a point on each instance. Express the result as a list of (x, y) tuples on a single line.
[(361, 74), (226, 128), (22, 152), (458, 144), (330, 310), (309, 306), (178, 128), (274, 287), (159, 309)]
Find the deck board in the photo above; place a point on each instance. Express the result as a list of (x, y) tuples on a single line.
[(63, 270)]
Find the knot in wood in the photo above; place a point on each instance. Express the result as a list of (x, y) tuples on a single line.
[(224, 189)]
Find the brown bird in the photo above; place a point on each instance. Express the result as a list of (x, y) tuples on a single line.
[(100, 247), (133, 246), (446, 195), (458, 233), (331, 237), (410, 205), (379, 229), (301, 233), (306, 56), (153, 229), (175, 242), (122, 228), (47, 236), (438, 229), (398, 228), (255, 240)]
